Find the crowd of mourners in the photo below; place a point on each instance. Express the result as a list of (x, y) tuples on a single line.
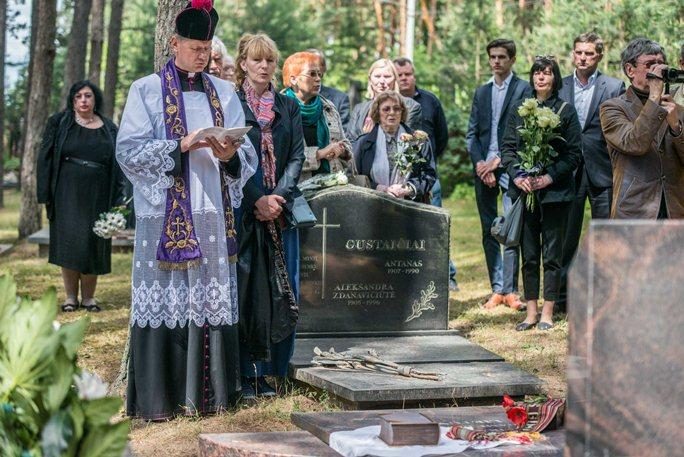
[(215, 274)]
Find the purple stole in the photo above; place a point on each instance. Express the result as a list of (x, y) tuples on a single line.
[(179, 247)]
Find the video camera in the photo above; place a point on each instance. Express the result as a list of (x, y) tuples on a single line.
[(673, 76), (670, 76)]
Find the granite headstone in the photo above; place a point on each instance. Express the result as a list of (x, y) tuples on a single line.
[(373, 263), (625, 394)]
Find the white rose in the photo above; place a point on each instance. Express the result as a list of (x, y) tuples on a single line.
[(90, 386)]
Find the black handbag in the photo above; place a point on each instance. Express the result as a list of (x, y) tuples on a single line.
[(506, 229), (300, 214)]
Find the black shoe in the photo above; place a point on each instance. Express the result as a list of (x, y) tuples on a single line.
[(247, 393), (544, 325), (262, 388), (521, 327)]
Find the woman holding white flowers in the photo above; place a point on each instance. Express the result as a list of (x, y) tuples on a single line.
[(544, 180), (326, 149), (78, 179), (397, 160)]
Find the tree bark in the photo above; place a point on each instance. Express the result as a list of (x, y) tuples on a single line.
[(32, 47), (96, 41), (3, 31), (167, 10), (74, 64), (38, 105), (113, 46), (380, 46)]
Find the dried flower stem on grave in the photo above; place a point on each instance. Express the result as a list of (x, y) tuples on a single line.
[(368, 362), (425, 302)]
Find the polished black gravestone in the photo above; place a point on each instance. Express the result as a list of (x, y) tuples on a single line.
[(373, 263), (626, 362)]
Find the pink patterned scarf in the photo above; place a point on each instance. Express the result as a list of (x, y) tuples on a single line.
[(262, 107)]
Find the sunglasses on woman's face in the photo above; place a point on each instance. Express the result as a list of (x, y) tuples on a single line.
[(313, 74)]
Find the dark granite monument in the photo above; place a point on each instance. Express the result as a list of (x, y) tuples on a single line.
[(625, 393), (373, 263)]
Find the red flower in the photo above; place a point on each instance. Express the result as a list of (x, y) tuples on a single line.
[(507, 402), (517, 415)]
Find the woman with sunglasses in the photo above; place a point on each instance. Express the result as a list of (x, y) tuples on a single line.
[(376, 153), (327, 149), (544, 226)]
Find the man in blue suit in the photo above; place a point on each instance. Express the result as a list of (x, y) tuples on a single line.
[(492, 105), (586, 89)]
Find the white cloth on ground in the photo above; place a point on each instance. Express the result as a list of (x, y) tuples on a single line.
[(366, 441)]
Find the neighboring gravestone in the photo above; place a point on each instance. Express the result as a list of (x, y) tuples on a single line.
[(373, 263), (625, 393), (268, 444)]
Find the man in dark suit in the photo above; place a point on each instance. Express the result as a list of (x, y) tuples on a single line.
[(586, 89), (337, 97), (492, 105)]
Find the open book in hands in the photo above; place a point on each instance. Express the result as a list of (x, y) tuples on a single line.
[(220, 133)]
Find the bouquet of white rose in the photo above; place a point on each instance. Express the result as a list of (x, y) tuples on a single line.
[(537, 131), (408, 155), (321, 181), (112, 222)]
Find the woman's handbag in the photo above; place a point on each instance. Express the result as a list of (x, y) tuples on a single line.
[(300, 215), (506, 229), (356, 179)]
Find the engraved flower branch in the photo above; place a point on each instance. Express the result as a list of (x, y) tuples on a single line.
[(425, 302)]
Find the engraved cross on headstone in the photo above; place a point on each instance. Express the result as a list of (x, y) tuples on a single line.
[(325, 226)]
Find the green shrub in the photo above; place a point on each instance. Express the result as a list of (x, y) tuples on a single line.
[(12, 164), (48, 406)]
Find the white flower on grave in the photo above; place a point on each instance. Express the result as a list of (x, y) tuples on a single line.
[(90, 386), (342, 179), (56, 325)]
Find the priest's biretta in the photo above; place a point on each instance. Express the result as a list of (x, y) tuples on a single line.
[(197, 21)]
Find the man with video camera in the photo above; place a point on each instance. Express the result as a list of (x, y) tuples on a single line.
[(643, 129)]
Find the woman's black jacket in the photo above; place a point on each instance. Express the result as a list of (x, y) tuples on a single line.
[(423, 175), (561, 170), (50, 160)]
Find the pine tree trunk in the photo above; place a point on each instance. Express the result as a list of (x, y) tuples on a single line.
[(3, 30), (166, 15), (113, 46), (96, 41), (32, 47), (380, 46), (38, 105), (74, 64)]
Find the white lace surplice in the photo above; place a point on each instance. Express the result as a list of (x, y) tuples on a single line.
[(207, 293)]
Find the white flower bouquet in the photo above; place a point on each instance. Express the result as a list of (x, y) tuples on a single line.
[(408, 155), (537, 131), (321, 181), (112, 222)]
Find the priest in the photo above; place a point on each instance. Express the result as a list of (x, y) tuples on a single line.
[(184, 336)]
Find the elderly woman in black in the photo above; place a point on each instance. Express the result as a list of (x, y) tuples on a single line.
[(78, 149), (543, 227), (268, 260), (377, 153)]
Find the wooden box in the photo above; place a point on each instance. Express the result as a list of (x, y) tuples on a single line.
[(408, 429)]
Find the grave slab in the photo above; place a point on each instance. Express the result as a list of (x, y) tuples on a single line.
[(273, 444), (370, 256), (626, 356), (463, 382), (122, 242), (491, 418), (402, 349)]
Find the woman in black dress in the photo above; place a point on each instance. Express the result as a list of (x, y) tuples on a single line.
[(78, 179)]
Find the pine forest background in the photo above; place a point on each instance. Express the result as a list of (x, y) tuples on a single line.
[(450, 36)]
